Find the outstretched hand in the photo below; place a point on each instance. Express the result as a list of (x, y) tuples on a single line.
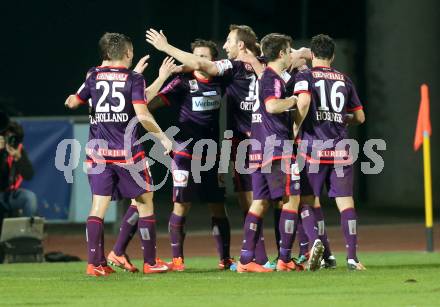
[(142, 64), (157, 39), (167, 68)]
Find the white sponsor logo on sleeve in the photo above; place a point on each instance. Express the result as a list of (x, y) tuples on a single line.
[(301, 86), (222, 66)]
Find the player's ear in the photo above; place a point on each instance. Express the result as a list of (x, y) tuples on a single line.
[(281, 54), (241, 45), (332, 59)]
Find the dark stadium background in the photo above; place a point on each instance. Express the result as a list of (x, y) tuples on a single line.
[(47, 46)]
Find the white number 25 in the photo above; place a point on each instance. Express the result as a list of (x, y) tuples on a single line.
[(102, 105)]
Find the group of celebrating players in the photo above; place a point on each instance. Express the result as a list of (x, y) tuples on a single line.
[(296, 115)]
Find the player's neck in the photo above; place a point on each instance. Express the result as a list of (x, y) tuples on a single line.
[(319, 62), (117, 64), (276, 66)]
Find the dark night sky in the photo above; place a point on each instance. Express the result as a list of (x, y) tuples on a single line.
[(47, 46)]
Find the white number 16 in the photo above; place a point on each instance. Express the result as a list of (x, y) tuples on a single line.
[(337, 106)]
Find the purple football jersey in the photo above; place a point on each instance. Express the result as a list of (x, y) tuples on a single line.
[(264, 124), (240, 80), (198, 102), (113, 91), (333, 96)]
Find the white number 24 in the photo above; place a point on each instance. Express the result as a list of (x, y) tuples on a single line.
[(102, 105), (337, 99)]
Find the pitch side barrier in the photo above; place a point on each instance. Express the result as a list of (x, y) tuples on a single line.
[(58, 200)]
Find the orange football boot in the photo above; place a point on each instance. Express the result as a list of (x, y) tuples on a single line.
[(157, 268), (252, 267), (122, 262), (225, 264), (177, 265), (96, 271)]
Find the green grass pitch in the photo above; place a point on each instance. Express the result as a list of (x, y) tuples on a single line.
[(392, 279)]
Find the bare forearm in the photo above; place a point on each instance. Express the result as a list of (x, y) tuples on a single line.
[(191, 61), (154, 88), (302, 108), (280, 105), (188, 59)]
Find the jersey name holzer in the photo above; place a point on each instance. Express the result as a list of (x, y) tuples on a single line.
[(329, 116)]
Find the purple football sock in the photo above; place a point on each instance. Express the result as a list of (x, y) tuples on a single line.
[(309, 223), (260, 248), (303, 241), (94, 231), (127, 230), (103, 260), (349, 228), (221, 230), (276, 223), (252, 227), (147, 232), (322, 233), (288, 223), (177, 234)]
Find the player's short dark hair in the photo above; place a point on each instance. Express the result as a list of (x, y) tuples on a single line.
[(273, 43), (248, 37), (323, 46), (208, 44), (112, 46)]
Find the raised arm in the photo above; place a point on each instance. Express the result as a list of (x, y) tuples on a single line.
[(160, 42), (165, 71), (300, 56), (250, 58)]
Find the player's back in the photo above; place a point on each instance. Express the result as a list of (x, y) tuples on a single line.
[(332, 97), (113, 91)]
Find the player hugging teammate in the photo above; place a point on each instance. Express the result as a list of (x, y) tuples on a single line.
[(268, 107)]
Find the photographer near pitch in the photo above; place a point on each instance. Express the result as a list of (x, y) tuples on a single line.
[(15, 167)]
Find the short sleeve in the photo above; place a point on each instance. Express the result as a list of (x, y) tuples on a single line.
[(225, 67), (138, 89), (302, 83), (272, 89), (171, 92), (83, 93), (353, 103)]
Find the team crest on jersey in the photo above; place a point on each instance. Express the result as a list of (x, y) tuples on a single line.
[(193, 85)]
